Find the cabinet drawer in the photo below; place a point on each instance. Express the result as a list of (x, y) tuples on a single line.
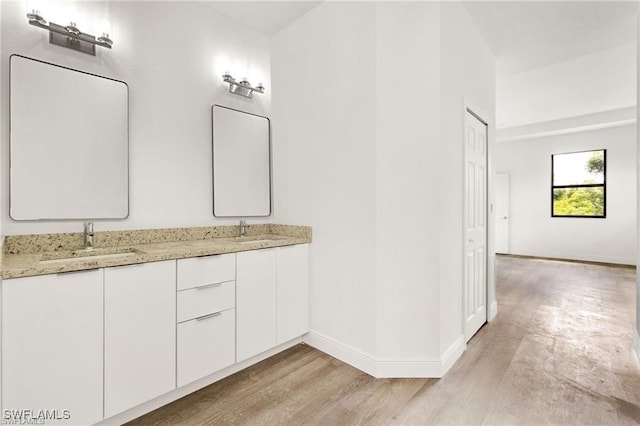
[(205, 270), (206, 346), (203, 300)]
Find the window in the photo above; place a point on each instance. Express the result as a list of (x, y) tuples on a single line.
[(579, 184)]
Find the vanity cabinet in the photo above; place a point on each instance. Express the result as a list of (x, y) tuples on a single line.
[(256, 302), (88, 345), (272, 298), (206, 318), (52, 348), (139, 334)]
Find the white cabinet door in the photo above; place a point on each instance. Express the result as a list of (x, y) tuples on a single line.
[(293, 292), (52, 351), (255, 302), (140, 334), (205, 345)]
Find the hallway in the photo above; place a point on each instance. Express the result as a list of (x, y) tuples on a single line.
[(559, 352)]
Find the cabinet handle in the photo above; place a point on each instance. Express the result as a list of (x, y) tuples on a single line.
[(203, 287), (206, 256), (128, 266), (77, 272), (213, 315)]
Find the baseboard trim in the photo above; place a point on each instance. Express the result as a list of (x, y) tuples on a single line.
[(387, 367), (452, 354), (597, 260), (493, 311), (341, 351), (636, 344)]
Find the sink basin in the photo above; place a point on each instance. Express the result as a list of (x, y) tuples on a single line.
[(82, 255), (255, 240)]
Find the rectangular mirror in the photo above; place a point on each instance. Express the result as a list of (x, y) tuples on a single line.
[(69, 149), (241, 163)]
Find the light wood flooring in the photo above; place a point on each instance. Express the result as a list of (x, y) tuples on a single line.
[(559, 352)]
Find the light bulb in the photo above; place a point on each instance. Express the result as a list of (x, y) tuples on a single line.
[(104, 27)]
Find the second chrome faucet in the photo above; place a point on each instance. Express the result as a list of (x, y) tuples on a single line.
[(88, 236)]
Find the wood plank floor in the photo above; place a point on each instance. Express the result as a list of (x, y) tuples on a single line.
[(559, 352)]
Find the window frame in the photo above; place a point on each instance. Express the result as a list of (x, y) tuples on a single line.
[(602, 185)]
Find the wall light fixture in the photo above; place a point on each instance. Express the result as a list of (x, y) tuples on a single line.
[(70, 36), (242, 87)]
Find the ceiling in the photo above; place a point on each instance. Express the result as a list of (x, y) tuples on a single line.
[(523, 35), (266, 17), (531, 34)]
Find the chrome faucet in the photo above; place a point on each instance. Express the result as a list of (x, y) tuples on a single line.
[(88, 235), (243, 228)]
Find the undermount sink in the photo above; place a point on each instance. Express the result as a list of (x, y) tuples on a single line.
[(93, 254), (255, 240)]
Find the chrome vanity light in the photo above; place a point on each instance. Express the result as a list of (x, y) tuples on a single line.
[(69, 36), (242, 87)]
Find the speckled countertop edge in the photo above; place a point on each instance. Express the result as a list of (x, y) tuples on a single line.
[(22, 255)]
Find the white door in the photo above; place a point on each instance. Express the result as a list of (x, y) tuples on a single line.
[(502, 212), (475, 225)]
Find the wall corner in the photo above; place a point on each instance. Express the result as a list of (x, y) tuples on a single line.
[(493, 311), (636, 345)]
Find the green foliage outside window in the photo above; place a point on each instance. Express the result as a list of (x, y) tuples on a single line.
[(595, 164), (578, 202)]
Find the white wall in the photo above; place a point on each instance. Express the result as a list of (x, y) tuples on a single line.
[(532, 229), (364, 159), (588, 84), (408, 138), (324, 160), (172, 55)]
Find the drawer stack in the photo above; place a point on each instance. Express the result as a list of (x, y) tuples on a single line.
[(206, 316)]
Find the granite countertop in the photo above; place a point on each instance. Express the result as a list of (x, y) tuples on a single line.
[(25, 256)]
